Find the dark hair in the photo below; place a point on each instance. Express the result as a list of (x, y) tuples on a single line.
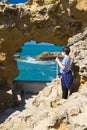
[(66, 49)]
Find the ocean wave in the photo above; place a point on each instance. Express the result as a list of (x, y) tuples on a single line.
[(34, 61), (43, 73)]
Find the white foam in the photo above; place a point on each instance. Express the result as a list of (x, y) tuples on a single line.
[(34, 61)]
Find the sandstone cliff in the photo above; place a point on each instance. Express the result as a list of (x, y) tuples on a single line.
[(53, 23)]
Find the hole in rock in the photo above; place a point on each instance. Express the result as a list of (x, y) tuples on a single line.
[(36, 62), (36, 65)]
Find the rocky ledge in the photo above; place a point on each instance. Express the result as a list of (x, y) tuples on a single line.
[(47, 112)]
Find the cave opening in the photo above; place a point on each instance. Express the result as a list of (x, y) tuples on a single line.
[(36, 62)]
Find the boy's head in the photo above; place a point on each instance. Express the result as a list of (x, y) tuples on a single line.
[(66, 50)]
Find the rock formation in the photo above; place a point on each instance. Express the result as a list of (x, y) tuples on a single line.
[(48, 56), (46, 112), (78, 45), (53, 23), (41, 2), (62, 23)]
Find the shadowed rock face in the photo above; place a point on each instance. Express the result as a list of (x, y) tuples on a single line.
[(53, 23)]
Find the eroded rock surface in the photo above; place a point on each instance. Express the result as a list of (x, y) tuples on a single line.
[(47, 112), (53, 23), (78, 45)]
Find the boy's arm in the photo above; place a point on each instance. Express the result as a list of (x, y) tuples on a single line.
[(63, 67)]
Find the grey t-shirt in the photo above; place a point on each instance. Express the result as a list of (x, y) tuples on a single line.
[(67, 62)]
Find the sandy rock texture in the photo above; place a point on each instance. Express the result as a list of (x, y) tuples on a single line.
[(53, 23), (61, 23), (78, 44), (47, 112)]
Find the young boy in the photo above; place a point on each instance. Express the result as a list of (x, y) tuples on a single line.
[(65, 71)]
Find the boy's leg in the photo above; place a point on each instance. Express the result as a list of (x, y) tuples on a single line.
[(64, 92)]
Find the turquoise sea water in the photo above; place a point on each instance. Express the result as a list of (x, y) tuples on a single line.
[(16, 1), (32, 70)]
